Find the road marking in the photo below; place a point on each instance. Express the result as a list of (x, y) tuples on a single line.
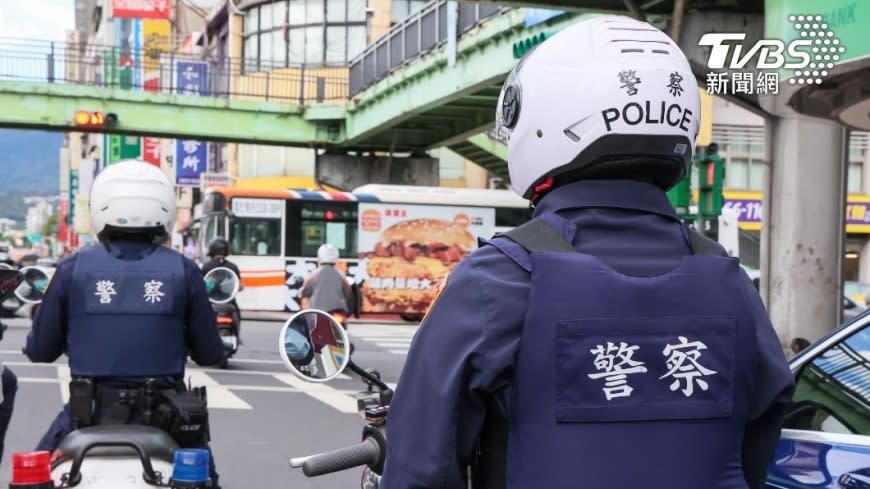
[(328, 395), (254, 360), (399, 352), (63, 377), (260, 388)]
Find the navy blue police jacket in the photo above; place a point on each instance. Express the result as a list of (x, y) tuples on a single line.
[(167, 316), (464, 355)]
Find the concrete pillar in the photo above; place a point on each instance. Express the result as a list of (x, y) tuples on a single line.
[(805, 218)]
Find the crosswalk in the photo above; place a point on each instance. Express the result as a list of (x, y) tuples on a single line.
[(396, 339), (227, 388), (225, 391)]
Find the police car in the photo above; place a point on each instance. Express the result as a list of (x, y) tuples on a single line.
[(825, 441)]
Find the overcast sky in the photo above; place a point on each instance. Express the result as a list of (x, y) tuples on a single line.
[(47, 20)]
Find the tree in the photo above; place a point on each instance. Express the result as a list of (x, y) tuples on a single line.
[(50, 227)]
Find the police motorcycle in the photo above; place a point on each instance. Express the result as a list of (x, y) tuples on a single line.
[(222, 285), (316, 348)]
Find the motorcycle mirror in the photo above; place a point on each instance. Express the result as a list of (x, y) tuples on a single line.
[(10, 280), (314, 346), (222, 285), (32, 288)]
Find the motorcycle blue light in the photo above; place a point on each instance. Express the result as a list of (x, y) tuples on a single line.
[(191, 465)]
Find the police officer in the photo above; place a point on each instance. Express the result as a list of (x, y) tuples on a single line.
[(9, 280), (603, 343), (125, 311), (218, 250), (327, 287)]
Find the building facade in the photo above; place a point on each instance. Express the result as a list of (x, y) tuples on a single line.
[(740, 135)]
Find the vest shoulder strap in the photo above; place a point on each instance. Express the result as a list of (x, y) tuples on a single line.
[(702, 245), (536, 236)]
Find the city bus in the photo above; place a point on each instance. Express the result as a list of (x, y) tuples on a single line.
[(396, 243)]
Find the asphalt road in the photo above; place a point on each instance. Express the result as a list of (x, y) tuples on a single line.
[(261, 414)]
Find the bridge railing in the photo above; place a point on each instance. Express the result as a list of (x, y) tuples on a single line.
[(418, 34), (168, 72)]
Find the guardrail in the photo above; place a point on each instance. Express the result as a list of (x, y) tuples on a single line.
[(168, 72), (420, 33)]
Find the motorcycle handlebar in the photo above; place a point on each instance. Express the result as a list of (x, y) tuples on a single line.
[(366, 453)]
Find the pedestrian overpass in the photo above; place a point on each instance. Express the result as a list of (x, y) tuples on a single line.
[(431, 81)]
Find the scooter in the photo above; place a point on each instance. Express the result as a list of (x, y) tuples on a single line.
[(314, 356), (222, 285)]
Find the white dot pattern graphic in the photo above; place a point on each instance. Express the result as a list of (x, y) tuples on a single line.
[(823, 40)]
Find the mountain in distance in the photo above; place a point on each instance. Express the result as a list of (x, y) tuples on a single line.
[(29, 165)]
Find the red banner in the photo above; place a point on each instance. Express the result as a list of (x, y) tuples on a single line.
[(141, 9), (151, 84), (151, 151), (62, 228)]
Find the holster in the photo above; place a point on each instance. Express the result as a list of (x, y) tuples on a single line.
[(81, 403), (184, 415)]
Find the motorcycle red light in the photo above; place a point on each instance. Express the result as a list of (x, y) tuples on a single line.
[(31, 468), (225, 320)]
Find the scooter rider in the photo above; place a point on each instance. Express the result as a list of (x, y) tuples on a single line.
[(327, 287), (218, 250), (127, 313), (603, 343)]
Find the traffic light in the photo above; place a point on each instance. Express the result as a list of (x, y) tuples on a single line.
[(84, 118), (711, 177)]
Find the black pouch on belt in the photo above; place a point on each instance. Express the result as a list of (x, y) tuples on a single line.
[(184, 415)]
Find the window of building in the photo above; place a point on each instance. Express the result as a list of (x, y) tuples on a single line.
[(858, 142), (311, 32), (743, 150), (401, 9)]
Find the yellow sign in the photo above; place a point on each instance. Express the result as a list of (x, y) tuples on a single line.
[(748, 204), (155, 41)]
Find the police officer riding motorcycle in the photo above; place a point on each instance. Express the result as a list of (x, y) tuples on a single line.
[(603, 343), (127, 313)]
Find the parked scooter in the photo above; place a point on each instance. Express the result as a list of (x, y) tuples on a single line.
[(222, 285), (316, 348)]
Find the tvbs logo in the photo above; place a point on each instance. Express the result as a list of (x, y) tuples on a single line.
[(817, 48)]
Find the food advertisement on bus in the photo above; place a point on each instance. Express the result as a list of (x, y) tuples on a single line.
[(406, 250)]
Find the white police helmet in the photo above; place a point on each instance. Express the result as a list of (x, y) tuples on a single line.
[(604, 92), (132, 194), (327, 254)]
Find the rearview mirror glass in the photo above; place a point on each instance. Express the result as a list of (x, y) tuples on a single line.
[(222, 285), (314, 346), (32, 289)]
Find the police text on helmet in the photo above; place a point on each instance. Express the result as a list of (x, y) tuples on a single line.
[(633, 113)]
